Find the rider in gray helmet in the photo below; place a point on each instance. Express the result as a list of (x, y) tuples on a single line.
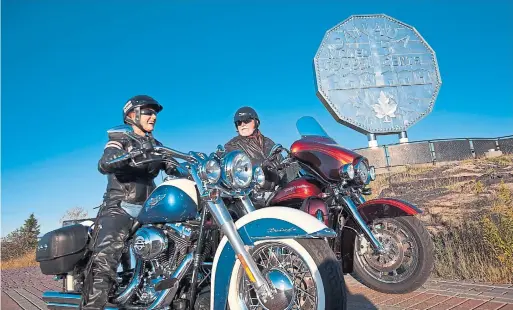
[(127, 189)]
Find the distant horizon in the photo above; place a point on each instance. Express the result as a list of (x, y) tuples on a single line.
[(65, 80)]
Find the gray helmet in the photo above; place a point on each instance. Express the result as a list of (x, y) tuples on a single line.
[(134, 104)]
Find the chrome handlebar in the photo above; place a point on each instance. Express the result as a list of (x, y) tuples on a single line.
[(176, 154), (160, 149)]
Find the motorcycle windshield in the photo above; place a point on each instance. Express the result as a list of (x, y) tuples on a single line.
[(308, 127)]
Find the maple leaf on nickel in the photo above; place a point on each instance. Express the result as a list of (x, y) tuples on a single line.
[(386, 108)]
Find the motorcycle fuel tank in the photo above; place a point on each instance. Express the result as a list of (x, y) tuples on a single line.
[(296, 191), (323, 155), (172, 201)]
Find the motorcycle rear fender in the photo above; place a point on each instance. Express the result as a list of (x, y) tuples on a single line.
[(370, 210), (263, 224)]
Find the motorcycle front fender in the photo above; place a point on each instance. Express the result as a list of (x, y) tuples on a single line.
[(263, 224), (370, 210), (386, 208)]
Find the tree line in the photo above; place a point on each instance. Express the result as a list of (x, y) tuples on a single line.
[(24, 239)]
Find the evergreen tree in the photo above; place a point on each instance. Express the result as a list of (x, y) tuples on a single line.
[(21, 240), (30, 230)]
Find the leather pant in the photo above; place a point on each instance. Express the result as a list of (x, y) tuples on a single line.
[(111, 231)]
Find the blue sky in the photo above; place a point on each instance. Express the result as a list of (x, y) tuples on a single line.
[(69, 66)]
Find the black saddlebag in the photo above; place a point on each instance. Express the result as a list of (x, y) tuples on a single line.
[(60, 250)]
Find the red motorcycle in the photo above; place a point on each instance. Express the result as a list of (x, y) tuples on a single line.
[(379, 240)]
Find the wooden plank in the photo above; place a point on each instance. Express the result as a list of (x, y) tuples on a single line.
[(33, 299), (35, 291), (48, 287), (8, 303), (20, 300)]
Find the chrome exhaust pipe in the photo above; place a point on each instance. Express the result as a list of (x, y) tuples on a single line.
[(64, 298), (61, 301), (166, 296), (58, 306), (132, 286)]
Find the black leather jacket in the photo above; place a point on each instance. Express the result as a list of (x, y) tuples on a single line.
[(128, 183), (258, 150), (255, 149)]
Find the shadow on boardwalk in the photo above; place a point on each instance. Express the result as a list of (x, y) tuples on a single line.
[(22, 289)]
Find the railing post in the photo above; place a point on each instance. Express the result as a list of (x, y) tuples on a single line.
[(472, 150), (433, 153), (387, 156)]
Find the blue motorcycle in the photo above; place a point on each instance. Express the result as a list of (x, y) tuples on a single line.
[(188, 253)]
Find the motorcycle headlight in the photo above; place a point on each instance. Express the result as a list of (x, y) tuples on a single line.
[(211, 171), (362, 173), (259, 176), (347, 172), (237, 169), (372, 173)]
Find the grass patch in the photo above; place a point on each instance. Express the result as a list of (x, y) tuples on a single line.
[(462, 252), (479, 187), (411, 174), (503, 160), (481, 249), (27, 260)]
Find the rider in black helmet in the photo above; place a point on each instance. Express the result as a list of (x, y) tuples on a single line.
[(127, 189), (250, 139)]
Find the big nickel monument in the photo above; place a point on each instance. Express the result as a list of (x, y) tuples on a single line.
[(376, 75)]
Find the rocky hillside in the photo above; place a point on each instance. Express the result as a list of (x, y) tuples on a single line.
[(449, 193), (468, 208)]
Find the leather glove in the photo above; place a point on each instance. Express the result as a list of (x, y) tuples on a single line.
[(113, 154), (271, 174)]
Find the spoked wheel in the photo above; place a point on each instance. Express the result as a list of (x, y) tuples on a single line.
[(408, 259), (305, 274)]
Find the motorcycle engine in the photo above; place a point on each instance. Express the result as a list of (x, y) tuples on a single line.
[(162, 246), (149, 242)]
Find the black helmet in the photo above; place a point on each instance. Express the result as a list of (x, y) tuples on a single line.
[(244, 114), (134, 104)]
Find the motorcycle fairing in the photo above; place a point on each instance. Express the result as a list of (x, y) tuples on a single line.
[(256, 226), (386, 207)]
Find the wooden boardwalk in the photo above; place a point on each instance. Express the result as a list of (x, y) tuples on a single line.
[(22, 289)]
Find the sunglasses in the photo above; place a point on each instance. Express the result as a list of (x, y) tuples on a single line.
[(247, 121), (148, 112)]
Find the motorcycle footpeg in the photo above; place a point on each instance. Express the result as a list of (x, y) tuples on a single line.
[(165, 284)]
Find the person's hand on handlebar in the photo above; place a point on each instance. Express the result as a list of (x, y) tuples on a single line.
[(109, 162)]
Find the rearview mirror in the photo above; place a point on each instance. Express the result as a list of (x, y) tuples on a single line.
[(122, 131), (277, 148)]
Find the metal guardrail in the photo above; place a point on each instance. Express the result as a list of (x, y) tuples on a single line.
[(433, 151)]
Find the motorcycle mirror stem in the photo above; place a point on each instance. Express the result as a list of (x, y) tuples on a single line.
[(277, 148)]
